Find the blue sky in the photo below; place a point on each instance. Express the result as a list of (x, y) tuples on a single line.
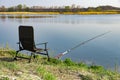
[(82, 3)]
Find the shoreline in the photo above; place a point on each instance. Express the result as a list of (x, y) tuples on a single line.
[(55, 69), (66, 13)]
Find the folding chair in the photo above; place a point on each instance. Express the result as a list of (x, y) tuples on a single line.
[(26, 42)]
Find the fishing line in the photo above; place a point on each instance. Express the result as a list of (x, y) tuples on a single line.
[(84, 42)]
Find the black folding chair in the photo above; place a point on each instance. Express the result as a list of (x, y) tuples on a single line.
[(26, 42)]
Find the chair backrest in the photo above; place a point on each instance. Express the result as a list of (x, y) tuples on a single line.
[(26, 37)]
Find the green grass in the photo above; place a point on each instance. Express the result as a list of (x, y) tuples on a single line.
[(45, 74), (4, 78), (10, 66), (51, 70), (87, 77)]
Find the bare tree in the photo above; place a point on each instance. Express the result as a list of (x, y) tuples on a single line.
[(3, 9)]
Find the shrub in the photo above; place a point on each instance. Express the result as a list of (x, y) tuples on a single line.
[(55, 61), (81, 64), (98, 69), (69, 62), (95, 67)]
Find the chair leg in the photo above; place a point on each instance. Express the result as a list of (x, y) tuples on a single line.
[(15, 58), (48, 55), (34, 56), (30, 57), (47, 51)]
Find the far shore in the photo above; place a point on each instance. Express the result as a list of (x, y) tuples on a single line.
[(67, 13)]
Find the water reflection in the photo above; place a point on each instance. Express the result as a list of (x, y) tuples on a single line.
[(67, 19), (26, 16)]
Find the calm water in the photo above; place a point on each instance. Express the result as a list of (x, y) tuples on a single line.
[(65, 31)]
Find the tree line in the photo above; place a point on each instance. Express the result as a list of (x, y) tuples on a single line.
[(72, 8)]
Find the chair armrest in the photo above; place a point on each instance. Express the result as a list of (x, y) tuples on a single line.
[(42, 43), (18, 43), (45, 44)]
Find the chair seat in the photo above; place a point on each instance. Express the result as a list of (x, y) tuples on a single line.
[(39, 50)]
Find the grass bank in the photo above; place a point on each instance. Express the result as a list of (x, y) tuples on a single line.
[(29, 12), (69, 13), (41, 69)]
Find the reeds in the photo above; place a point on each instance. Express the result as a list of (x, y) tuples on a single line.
[(56, 13)]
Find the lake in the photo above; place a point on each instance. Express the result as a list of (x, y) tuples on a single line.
[(63, 32)]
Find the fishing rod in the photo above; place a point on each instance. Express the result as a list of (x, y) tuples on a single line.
[(84, 42)]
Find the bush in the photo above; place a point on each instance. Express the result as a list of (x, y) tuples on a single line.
[(95, 67), (81, 64), (52, 61), (55, 61), (69, 62)]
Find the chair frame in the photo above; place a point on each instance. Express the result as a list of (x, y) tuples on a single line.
[(32, 50)]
